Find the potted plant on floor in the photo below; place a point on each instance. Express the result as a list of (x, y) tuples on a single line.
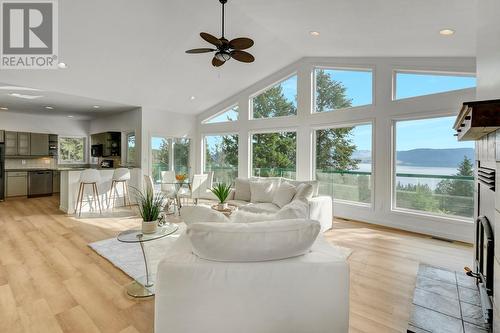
[(150, 208), (221, 191)]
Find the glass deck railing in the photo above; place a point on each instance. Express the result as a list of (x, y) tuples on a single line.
[(435, 194)]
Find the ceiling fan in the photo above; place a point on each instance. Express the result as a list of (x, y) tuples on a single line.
[(226, 49)]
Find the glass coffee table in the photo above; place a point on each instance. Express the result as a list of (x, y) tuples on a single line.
[(144, 286)]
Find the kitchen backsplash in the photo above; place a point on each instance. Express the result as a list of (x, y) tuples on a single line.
[(30, 163)]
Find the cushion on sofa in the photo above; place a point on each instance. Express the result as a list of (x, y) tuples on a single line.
[(284, 194), (194, 214), (242, 189), (259, 241), (262, 191), (260, 207), (304, 192), (294, 210), (314, 183)]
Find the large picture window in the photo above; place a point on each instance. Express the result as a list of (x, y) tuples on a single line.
[(277, 101), (221, 157), (341, 88), (274, 154), (412, 84), (344, 163), (434, 172), (71, 150)]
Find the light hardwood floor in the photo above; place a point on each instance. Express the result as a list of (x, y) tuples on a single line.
[(51, 281)]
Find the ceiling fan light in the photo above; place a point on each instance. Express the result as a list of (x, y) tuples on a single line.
[(222, 56)]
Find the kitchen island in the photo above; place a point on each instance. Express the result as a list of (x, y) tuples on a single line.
[(70, 184)]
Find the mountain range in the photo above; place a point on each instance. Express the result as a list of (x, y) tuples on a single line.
[(425, 157)]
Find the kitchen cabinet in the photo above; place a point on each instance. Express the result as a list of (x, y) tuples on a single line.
[(23, 144), (2, 136), (56, 182), (39, 144), (10, 143), (16, 184)]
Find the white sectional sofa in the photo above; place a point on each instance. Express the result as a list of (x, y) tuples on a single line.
[(320, 208), (306, 293)]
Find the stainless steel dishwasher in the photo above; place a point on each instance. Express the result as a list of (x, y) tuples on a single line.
[(39, 183)]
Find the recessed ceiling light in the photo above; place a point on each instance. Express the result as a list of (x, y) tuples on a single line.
[(314, 33), (62, 65), (70, 116), (24, 96), (4, 108), (96, 106), (446, 32), (192, 98), (48, 107)]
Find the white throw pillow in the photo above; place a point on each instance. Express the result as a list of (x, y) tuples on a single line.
[(284, 194), (297, 209), (314, 183), (248, 216), (242, 189), (196, 214), (259, 241), (261, 191), (304, 192)]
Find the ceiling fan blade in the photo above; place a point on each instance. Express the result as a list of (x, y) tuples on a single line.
[(202, 50), (211, 39), (217, 63), (241, 43), (242, 56)]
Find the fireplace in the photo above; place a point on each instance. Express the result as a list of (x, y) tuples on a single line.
[(484, 256)]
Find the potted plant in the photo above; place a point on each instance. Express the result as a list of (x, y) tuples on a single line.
[(150, 207), (221, 191)]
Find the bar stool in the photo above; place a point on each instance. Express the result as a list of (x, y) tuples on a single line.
[(88, 177), (120, 175)]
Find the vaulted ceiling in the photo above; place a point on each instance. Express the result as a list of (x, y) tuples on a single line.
[(132, 52)]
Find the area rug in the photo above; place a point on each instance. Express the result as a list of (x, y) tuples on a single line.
[(128, 256), (445, 301)]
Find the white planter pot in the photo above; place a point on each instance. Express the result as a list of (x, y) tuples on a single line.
[(222, 206), (149, 227)]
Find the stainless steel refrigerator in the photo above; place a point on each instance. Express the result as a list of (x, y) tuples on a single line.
[(2, 171)]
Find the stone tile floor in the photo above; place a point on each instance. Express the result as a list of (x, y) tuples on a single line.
[(445, 302)]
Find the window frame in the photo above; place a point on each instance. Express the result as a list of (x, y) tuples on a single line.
[(269, 86), (370, 69), (85, 154), (204, 148), (207, 120), (171, 157), (395, 71), (251, 133), (407, 211), (370, 205)]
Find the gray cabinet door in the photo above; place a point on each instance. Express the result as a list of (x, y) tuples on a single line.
[(17, 184), (10, 143), (23, 144), (39, 144), (2, 136), (56, 182)]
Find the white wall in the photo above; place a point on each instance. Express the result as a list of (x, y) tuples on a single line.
[(381, 114), (125, 122), (22, 122), (169, 124)]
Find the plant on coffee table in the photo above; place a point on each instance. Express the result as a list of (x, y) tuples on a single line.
[(221, 191), (150, 207)]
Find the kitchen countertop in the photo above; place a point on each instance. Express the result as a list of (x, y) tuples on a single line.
[(60, 169)]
